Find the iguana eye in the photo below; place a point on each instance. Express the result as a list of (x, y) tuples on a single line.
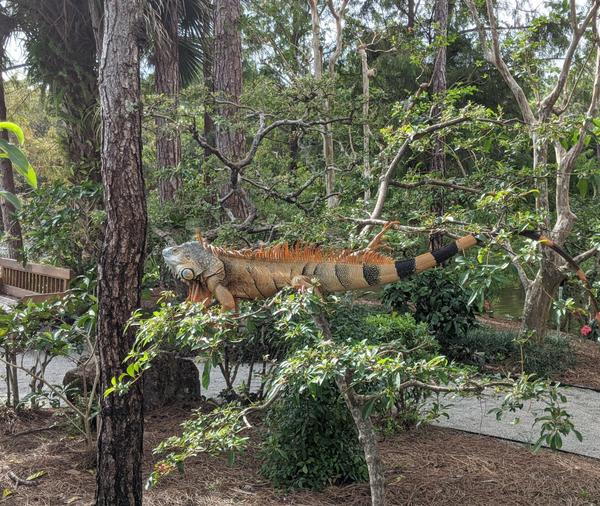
[(187, 274)]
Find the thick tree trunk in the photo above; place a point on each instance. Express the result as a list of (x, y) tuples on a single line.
[(120, 432), (539, 297), (10, 223), (167, 79), (438, 87), (541, 292), (227, 82)]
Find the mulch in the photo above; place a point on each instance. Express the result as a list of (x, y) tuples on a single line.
[(427, 466)]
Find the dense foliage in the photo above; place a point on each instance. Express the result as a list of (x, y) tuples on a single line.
[(437, 300)]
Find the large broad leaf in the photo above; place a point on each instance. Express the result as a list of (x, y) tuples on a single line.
[(12, 198), (20, 162), (15, 129)]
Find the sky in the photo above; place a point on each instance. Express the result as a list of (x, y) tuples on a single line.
[(16, 54)]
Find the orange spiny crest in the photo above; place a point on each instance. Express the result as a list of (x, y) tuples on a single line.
[(299, 252)]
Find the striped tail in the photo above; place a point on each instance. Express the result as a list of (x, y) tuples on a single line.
[(434, 258), (549, 243)]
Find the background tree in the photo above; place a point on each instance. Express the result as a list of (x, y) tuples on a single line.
[(11, 225), (227, 82), (61, 55)]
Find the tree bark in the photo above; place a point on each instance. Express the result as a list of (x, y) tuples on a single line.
[(539, 298), (368, 439), (328, 151), (10, 223), (227, 82), (167, 80), (366, 75), (438, 88), (120, 432)]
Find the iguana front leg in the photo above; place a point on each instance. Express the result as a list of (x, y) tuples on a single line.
[(222, 294), (226, 298)]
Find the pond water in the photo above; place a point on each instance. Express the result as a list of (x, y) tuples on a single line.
[(509, 302)]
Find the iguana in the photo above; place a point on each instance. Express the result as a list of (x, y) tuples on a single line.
[(231, 275)]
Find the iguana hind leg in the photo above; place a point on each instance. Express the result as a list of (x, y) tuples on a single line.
[(301, 283), (377, 241)]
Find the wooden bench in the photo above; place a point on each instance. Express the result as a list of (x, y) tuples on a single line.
[(32, 282)]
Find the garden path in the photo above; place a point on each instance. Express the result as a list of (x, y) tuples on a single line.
[(469, 414)]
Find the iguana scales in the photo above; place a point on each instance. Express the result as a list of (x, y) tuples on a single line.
[(231, 275)]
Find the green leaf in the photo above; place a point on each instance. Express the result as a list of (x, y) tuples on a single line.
[(12, 198), (583, 186), (14, 128), (7, 492), (368, 408), (20, 162), (206, 374), (36, 475)]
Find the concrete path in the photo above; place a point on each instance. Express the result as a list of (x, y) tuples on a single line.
[(465, 413), (583, 405)]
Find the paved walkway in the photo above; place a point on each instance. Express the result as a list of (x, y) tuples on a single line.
[(466, 413), (583, 405)]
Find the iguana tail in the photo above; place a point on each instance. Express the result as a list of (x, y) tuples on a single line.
[(549, 243), (434, 258), (431, 259)]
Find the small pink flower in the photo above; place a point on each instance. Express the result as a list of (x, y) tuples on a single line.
[(585, 330)]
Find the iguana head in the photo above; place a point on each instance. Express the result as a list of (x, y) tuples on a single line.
[(189, 260)]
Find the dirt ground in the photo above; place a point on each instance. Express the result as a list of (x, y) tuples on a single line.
[(423, 467)]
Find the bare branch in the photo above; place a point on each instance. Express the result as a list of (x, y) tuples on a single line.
[(338, 16), (586, 255), (435, 182), (552, 97), (386, 176), (494, 56), (262, 132)]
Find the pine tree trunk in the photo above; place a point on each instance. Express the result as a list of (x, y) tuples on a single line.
[(120, 431), (438, 88), (227, 82), (10, 223), (167, 79)]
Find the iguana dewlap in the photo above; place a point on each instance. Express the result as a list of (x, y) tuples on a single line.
[(229, 275)]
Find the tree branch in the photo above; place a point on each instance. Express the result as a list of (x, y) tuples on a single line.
[(263, 131), (435, 182), (494, 56), (552, 97)]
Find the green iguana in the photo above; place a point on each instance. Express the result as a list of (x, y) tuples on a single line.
[(230, 275)]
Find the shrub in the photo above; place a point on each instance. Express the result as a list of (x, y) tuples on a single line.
[(485, 345), (311, 442), (437, 300)]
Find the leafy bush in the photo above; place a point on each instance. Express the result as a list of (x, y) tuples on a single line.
[(485, 345), (437, 300), (63, 225), (311, 442)]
